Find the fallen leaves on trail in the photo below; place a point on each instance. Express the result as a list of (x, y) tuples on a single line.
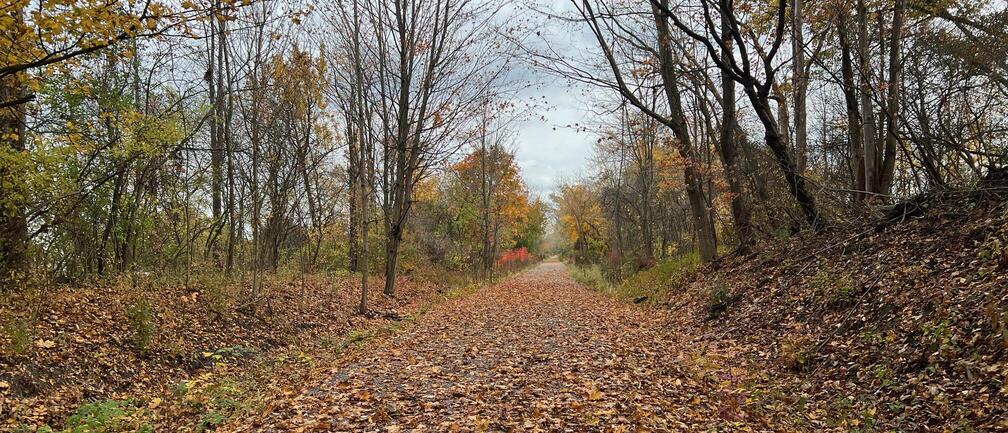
[(903, 329), (536, 352), (898, 328)]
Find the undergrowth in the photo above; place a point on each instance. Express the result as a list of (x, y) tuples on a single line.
[(104, 416), (141, 319), (590, 276), (652, 285)]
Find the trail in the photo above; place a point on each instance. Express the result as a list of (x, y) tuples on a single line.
[(536, 352)]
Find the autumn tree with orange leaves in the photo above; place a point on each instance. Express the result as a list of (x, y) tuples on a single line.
[(490, 178)]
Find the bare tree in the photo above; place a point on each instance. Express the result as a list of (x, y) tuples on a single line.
[(756, 83), (675, 120)]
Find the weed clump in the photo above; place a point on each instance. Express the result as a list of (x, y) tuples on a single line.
[(18, 336), (652, 285), (796, 352), (105, 416), (590, 276), (719, 298), (141, 320), (836, 289)]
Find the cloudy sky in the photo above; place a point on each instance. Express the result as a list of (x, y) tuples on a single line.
[(548, 146), (548, 149)]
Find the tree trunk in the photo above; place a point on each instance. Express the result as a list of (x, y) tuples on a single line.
[(362, 260), (854, 131), (893, 90), (795, 181), (391, 257), (227, 111), (706, 243), (729, 152), (799, 83), (215, 82), (113, 218), (353, 178), (364, 166), (869, 130), (13, 225), (485, 188), (618, 207)]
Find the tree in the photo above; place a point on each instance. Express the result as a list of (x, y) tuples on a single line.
[(675, 120), (756, 89), (799, 80), (580, 220), (13, 167), (728, 150), (490, 177), (433, 68)]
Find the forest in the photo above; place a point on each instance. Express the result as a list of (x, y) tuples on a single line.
[(345, 215)]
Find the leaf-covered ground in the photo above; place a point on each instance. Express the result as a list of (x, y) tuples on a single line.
[(894, 327), (877, 327), (79, 342), (901, 327), (537, 352)]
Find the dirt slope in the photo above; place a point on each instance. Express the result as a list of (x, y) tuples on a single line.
[(895, 326), (79, 343)]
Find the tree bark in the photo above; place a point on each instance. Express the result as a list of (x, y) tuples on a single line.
[(706, 243), (13, 224), (869, 130), (228, 111), (729, 152), (799, 83), (391, 258), (795, 181), (353, 181), (854, 139), (893, 93)]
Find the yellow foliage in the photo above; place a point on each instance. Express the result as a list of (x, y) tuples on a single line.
[(578, 213)]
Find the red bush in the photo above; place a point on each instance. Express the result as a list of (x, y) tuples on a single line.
[(514, 258)]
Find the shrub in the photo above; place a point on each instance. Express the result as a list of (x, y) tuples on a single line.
[(796, 352), (719, 298), (834, 288), (940, 338), (993, 254), (141, 320), (16, 330), (514, 259), (590, 276), (223, 399), (998, 320), (651, 284), (18, 336), (217, 399), (108, 416), (218, 296)]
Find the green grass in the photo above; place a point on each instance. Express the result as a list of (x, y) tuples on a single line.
[(652, 285), (590, 276), (103, 416)]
